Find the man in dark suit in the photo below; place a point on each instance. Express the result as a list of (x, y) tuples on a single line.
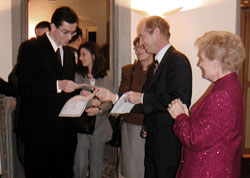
[(10, 88), (170, 79), (45, 73)]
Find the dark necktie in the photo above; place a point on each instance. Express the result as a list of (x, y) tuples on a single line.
[(59, 56), (156, 64)]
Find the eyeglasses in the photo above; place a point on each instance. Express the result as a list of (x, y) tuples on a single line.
[(66, 32), (139, 47)]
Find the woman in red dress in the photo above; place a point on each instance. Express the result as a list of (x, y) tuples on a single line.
[(212, 134)]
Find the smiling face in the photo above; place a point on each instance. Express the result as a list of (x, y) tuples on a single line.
[(148, 39), (210, 68), (141, 53), (86, 58), (62, 34)]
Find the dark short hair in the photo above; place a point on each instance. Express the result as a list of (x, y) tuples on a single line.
[(64, 14), (43, 24), (136, 40), (78, 33), (98, 68)]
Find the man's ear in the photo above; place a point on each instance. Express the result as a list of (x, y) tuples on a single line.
[(157, 30), (157, 33), (79, 39)]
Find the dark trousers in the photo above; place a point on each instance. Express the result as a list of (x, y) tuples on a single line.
[(49, 161), (156, 165)]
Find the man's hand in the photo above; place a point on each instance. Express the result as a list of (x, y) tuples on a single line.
[(133, 97), (95, 102), (105, 95), (92, 111), (67, 85), (85, 93)]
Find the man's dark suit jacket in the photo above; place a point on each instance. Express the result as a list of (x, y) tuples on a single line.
[(10, 88), (172, 79), (38, 72)]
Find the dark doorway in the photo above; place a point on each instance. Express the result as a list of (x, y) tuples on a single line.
[(92, 36)]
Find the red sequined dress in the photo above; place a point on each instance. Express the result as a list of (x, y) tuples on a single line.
[(212, 135)]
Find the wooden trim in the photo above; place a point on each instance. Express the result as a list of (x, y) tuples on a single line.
[(245, 36), (246, 156)]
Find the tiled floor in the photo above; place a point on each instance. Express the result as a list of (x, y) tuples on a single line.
[(110, 159), (111, 172), (110, 162)]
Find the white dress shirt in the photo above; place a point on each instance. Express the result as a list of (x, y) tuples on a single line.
[(55, 47), (161, 53), (159, 57)]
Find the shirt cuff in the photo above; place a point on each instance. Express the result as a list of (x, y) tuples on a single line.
[(142, 98), (57, 87)]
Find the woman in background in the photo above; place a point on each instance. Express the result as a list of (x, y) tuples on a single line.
[(90, 148), (131, 162), (212, 134)]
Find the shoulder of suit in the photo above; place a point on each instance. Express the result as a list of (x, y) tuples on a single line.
[(33, 41), (177, 53), (69, 48), (27, 44), (178, 56)]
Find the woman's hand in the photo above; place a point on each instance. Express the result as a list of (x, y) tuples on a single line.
[(85, 93), (95, 102), (92, 111), (176, 107)]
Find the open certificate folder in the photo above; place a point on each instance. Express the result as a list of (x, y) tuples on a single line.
[(75, 106), (122, 107)]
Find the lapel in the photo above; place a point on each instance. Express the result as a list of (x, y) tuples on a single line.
[(162, 66), (50, 55), (66, 61)]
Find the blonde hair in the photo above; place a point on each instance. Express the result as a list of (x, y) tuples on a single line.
[(223, 46)]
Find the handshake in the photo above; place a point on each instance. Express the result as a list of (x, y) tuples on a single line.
[(102, 94), (106, 95)]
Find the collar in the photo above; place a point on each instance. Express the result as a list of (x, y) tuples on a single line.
[(227, 78), (161, 53), (53, 43)]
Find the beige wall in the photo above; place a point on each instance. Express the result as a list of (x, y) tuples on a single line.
[(94, 10), (186, 26), (5, 39)]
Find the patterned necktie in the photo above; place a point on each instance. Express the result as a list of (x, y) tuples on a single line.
[(59, 56), (156, 64)]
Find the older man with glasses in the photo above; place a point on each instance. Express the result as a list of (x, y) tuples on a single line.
[(46, 74)]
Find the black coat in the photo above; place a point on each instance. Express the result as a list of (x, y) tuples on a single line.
[(172, 79), (38, 72)]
